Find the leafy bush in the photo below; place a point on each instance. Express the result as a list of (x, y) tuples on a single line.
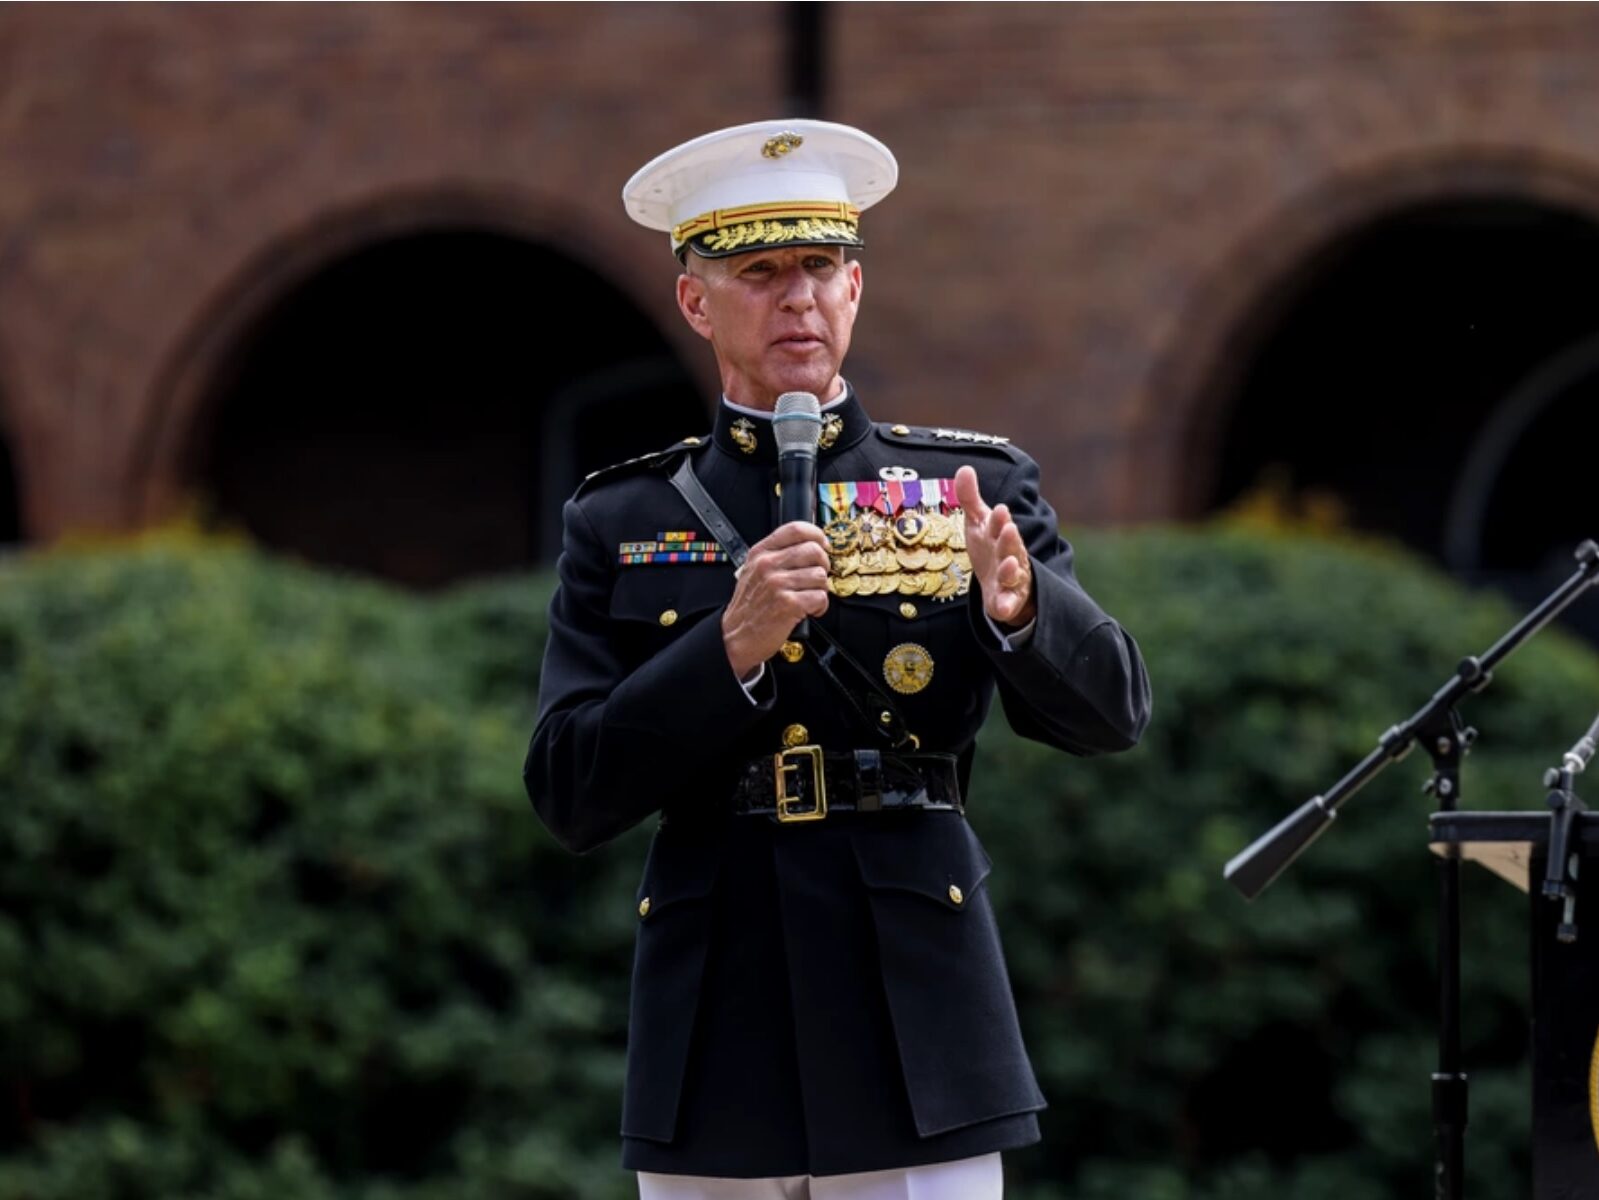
[(276, 919), (1195, 1045)]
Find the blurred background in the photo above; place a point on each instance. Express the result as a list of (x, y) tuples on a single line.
[(312, 315)]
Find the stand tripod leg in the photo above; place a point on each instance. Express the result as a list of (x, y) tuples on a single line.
[(1449, 1103)]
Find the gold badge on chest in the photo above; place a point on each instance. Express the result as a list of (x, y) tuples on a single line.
[(908, 668)]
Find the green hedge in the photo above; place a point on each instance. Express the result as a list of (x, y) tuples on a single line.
[(276, 919)]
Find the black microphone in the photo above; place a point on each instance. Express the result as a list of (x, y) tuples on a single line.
[(797, 427)]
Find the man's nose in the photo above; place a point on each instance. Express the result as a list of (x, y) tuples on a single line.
[(797, 293)]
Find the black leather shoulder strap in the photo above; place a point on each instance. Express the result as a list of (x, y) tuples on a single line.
[(715, 520)]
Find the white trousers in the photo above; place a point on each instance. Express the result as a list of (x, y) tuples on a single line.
[(968, 1179)]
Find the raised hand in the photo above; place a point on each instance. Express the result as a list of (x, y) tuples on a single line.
[(784, 579), (999, 557)]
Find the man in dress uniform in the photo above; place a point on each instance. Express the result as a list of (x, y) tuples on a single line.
[(820, 1006)]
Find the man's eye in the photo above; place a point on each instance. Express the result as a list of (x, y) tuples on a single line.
[(760, 268)]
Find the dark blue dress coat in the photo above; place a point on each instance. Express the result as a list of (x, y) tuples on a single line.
[(830, 997)]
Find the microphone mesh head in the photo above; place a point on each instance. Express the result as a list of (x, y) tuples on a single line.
[(797, 423)]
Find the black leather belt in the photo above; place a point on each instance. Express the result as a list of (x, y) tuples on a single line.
[(807, 782)]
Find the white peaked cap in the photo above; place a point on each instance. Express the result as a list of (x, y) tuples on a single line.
[(782, 182)]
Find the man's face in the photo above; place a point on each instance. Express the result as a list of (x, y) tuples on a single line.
[(779, 320)]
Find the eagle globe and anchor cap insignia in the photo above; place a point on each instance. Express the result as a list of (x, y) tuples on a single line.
[(784, 143)]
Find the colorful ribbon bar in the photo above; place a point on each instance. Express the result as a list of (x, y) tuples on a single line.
[(888, 498), (671, 556), (651, 547)]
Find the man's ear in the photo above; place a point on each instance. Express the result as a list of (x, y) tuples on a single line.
[(854, 265), (691, 303)]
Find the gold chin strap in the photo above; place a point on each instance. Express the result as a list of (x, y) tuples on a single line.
[(780, 210)]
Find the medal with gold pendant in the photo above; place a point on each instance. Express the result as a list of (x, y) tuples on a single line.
[(910, 527), (875, 531), (843, 535)]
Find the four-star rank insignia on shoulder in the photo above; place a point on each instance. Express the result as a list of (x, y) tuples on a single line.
[(966, 435), (941, 434), (895, 535)]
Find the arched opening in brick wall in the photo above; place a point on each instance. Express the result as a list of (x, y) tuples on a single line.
[(1434, 375), (420, 408)]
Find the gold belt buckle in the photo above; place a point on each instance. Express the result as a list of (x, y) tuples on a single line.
[(801, 756)]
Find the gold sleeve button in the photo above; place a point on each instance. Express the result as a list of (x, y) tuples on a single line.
[(955, 894), (644, 907), (669, 617)]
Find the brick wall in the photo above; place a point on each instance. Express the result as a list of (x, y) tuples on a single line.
[(1095, 200), (166, 171)]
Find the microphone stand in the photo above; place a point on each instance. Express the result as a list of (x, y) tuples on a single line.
[(1560, 872), (1447, 739)]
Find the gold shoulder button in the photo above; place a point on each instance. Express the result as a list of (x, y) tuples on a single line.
[(907, 610), (955, 894), (669, 617), (644, 907), (902, 430), (792, 651), (691, 441)]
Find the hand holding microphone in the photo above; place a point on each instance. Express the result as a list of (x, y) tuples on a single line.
[(784, 580)]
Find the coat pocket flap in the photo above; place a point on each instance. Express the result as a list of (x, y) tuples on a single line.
[(648, 593), (935, 855), (677, 871)]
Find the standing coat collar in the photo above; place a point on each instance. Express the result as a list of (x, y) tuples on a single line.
[(747, 437)]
